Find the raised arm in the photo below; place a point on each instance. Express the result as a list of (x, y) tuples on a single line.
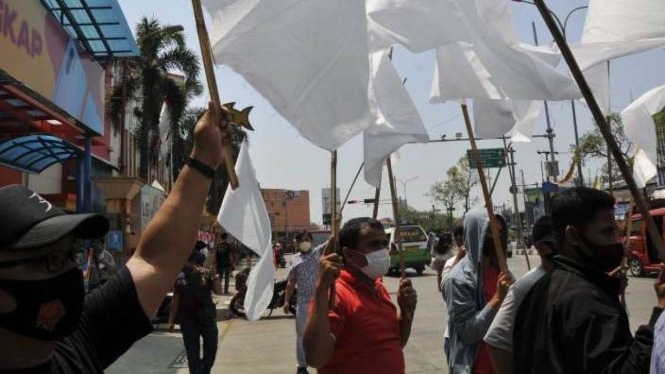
[(170, 236)]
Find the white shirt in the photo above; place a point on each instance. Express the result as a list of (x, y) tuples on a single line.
[(500, 333)]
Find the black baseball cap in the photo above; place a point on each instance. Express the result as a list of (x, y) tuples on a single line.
[(27, 220)]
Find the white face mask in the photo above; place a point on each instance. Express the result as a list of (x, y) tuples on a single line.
[(378, 263), (305, 247)]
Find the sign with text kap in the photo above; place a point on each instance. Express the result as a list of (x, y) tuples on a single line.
[(39, 53), (490, 157)]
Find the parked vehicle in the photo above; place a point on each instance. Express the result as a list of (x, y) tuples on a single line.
[(414, 246), (237, 306), (643, 256)]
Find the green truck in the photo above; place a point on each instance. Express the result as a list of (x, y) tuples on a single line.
[(414, 246)]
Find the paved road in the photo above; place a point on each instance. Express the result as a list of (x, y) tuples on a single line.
[(268, 346)]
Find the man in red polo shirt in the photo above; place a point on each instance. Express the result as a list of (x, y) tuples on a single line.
[(362, 333)]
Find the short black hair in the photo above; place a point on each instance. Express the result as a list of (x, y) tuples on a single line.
[(542, 229), (458, 230), (350, 232), (576, 207), (301, 235), (224, 236)]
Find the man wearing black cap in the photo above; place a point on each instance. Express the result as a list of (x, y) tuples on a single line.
[(46, 323)]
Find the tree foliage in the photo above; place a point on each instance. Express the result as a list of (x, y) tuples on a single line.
[(593, 146), (462, 180), (148, 81)]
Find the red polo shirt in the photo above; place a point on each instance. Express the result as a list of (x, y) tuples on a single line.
[(365, 326)]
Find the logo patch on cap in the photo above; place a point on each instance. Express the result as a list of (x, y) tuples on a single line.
[(41, 200)]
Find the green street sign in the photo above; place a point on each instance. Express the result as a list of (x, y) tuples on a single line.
[(490, 157)]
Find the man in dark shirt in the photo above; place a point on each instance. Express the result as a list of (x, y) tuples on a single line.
[(46, 323), (194, 309), (571, 321), (224, 261)]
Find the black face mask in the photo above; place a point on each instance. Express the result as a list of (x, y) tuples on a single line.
[(47, 309), (602, 257)]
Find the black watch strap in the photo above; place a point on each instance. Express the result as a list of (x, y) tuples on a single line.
[(200, 166)]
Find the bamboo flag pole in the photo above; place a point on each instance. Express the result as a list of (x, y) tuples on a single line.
[(377, 196), (351, 188), (510, 162), (206, 55), (398, 237), (494, 224), (333, 217), (604, 127)]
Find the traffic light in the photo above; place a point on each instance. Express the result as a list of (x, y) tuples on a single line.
[(352, 202), (369, 201)]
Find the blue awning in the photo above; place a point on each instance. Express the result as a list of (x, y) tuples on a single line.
[(99, 25), (34, 153)]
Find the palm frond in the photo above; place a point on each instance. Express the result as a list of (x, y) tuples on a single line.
[(182, 60)]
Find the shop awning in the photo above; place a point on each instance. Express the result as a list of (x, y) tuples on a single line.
[(34, 153), (99, 25)]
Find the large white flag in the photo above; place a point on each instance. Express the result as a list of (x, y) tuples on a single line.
[(308, 58), (396, 119), (243, 215), (164, 128), (479, 55), (515, 118), (618, 28), (639, 125)]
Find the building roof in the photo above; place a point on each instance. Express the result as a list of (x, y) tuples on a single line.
[(34, 153), (99, 25)]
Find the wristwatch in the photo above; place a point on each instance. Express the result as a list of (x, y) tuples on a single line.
[(202, 168)]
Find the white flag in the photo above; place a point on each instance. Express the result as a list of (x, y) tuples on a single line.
[(640, 128), (618, 28), (396, 119), (164, 128), (308, 58), (243, 215), (514, 118), (488, 61)]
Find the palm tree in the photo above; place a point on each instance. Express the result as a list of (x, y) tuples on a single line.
[(162, 51)]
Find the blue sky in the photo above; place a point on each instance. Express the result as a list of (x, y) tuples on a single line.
[(284, 159)]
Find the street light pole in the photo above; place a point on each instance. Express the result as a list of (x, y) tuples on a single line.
[(550, 131), (404, 187), (562, 26)]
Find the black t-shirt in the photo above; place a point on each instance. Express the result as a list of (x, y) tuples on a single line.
[(196, 302), (223, 256), (112, 320)]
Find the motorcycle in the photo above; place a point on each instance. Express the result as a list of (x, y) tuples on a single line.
[(279, 292)]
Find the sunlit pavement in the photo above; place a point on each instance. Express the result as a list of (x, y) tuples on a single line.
[(268, 346)]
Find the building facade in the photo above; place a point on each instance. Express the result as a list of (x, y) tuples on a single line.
[(288, 211)]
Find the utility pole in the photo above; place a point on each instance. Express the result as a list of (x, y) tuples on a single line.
[(526, 216), (550, 132)]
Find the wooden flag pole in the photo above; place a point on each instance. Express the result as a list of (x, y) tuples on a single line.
[(398, 237), (494, 224), (510, 162), (333, 217), (604, 127), (377, 196), (206, 55), (351, 188)]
